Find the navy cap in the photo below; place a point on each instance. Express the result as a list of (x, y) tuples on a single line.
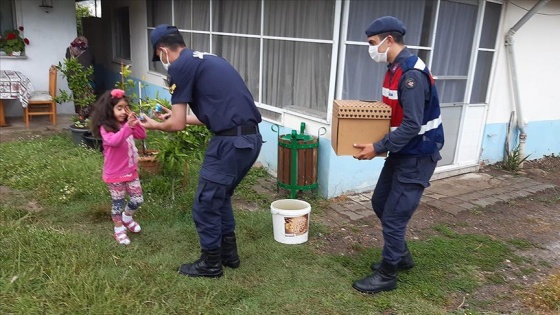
[(158, 33), (385, 24)]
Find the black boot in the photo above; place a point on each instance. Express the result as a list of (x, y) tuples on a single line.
[(230, 258), (406, 262), (383, 279), (208, 265)]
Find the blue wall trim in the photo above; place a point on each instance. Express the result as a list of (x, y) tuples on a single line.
[(543, 139)]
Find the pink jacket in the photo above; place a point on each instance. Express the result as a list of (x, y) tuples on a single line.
[(121, 155)]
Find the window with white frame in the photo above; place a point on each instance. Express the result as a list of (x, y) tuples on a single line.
[(284, 50), (8, 16), (121, 34)]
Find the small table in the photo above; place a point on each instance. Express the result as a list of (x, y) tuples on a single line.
[(13, 85)]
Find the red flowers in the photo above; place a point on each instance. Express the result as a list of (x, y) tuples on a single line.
[(13, 41)]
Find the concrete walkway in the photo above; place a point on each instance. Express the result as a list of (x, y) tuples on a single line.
[(452, 195), (38, 124)]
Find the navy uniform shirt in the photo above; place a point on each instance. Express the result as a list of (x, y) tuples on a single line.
[(217, 94), (413, 101)]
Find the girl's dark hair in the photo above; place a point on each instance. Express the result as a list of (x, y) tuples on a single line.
[(103, 115)]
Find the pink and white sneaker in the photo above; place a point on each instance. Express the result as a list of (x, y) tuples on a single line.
[(132, 226), (122, 238)]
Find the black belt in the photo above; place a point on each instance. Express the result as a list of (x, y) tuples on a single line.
[(239, 131)]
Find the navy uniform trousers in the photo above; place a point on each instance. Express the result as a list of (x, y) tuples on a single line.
[(227, 160), (397, 195)]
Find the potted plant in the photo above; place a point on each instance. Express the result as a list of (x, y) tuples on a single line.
[(12, 43), (81, 94)]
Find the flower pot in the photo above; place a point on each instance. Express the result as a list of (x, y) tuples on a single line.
[(92, 142), (148, 163), (77, 134), (15, 53)]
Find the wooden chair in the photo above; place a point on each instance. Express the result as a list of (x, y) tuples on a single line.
[(42, 102)]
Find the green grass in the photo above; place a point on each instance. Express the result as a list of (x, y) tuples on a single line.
[(60, 258)]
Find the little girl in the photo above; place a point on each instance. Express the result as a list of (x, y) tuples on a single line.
[(117, 125)]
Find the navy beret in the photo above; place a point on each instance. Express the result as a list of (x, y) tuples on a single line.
[(385, 24), (158, 33)]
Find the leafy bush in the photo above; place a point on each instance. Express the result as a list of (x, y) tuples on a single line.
[(176, 148), (81, 92)]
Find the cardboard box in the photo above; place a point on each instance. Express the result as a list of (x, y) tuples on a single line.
[(358, 122)]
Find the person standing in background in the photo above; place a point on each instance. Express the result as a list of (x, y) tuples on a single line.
[(79, 49)]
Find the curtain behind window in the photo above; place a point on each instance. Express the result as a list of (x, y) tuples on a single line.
[(241, 17), (159, 12), (453, 48), (296, 74), (192, 14), (363, 77)]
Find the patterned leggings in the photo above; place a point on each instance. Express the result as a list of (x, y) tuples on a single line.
[(118, 191)]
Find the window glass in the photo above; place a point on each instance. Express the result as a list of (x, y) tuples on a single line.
[(159, 12), (121, 33), (242, 53), (296, 74), (490, 25), (481, 76), (451, 117), (299, 18), (363, 77), (192, 14), (417, 16), (7, 16), (451, 91), (454, 41), (242, 17)]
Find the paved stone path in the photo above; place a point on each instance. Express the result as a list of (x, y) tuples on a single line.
[(452, 195)]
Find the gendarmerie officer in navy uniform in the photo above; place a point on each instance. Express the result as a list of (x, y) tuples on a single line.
[(414, 143), (219, 99)]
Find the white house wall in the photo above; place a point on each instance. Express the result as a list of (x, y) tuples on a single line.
[(536, 46), (49, 35)]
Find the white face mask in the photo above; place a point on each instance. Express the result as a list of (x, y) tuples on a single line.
[(165, 64), (376, 55)]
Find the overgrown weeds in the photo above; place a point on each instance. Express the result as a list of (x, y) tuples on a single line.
[(514, 160), (545, 296)]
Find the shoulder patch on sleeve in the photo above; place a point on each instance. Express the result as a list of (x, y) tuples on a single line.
[(410, 83)]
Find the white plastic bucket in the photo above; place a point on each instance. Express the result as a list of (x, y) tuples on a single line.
[(290, 220)]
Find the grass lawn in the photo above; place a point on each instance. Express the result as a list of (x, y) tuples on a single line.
[(57, 254)]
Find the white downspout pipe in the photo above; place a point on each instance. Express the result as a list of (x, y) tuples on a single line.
[(513, 74)]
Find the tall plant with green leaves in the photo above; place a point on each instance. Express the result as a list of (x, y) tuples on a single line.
[(81, 93), (514, 160)]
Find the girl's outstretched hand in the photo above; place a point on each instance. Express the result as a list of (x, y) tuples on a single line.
[(132, 119)]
